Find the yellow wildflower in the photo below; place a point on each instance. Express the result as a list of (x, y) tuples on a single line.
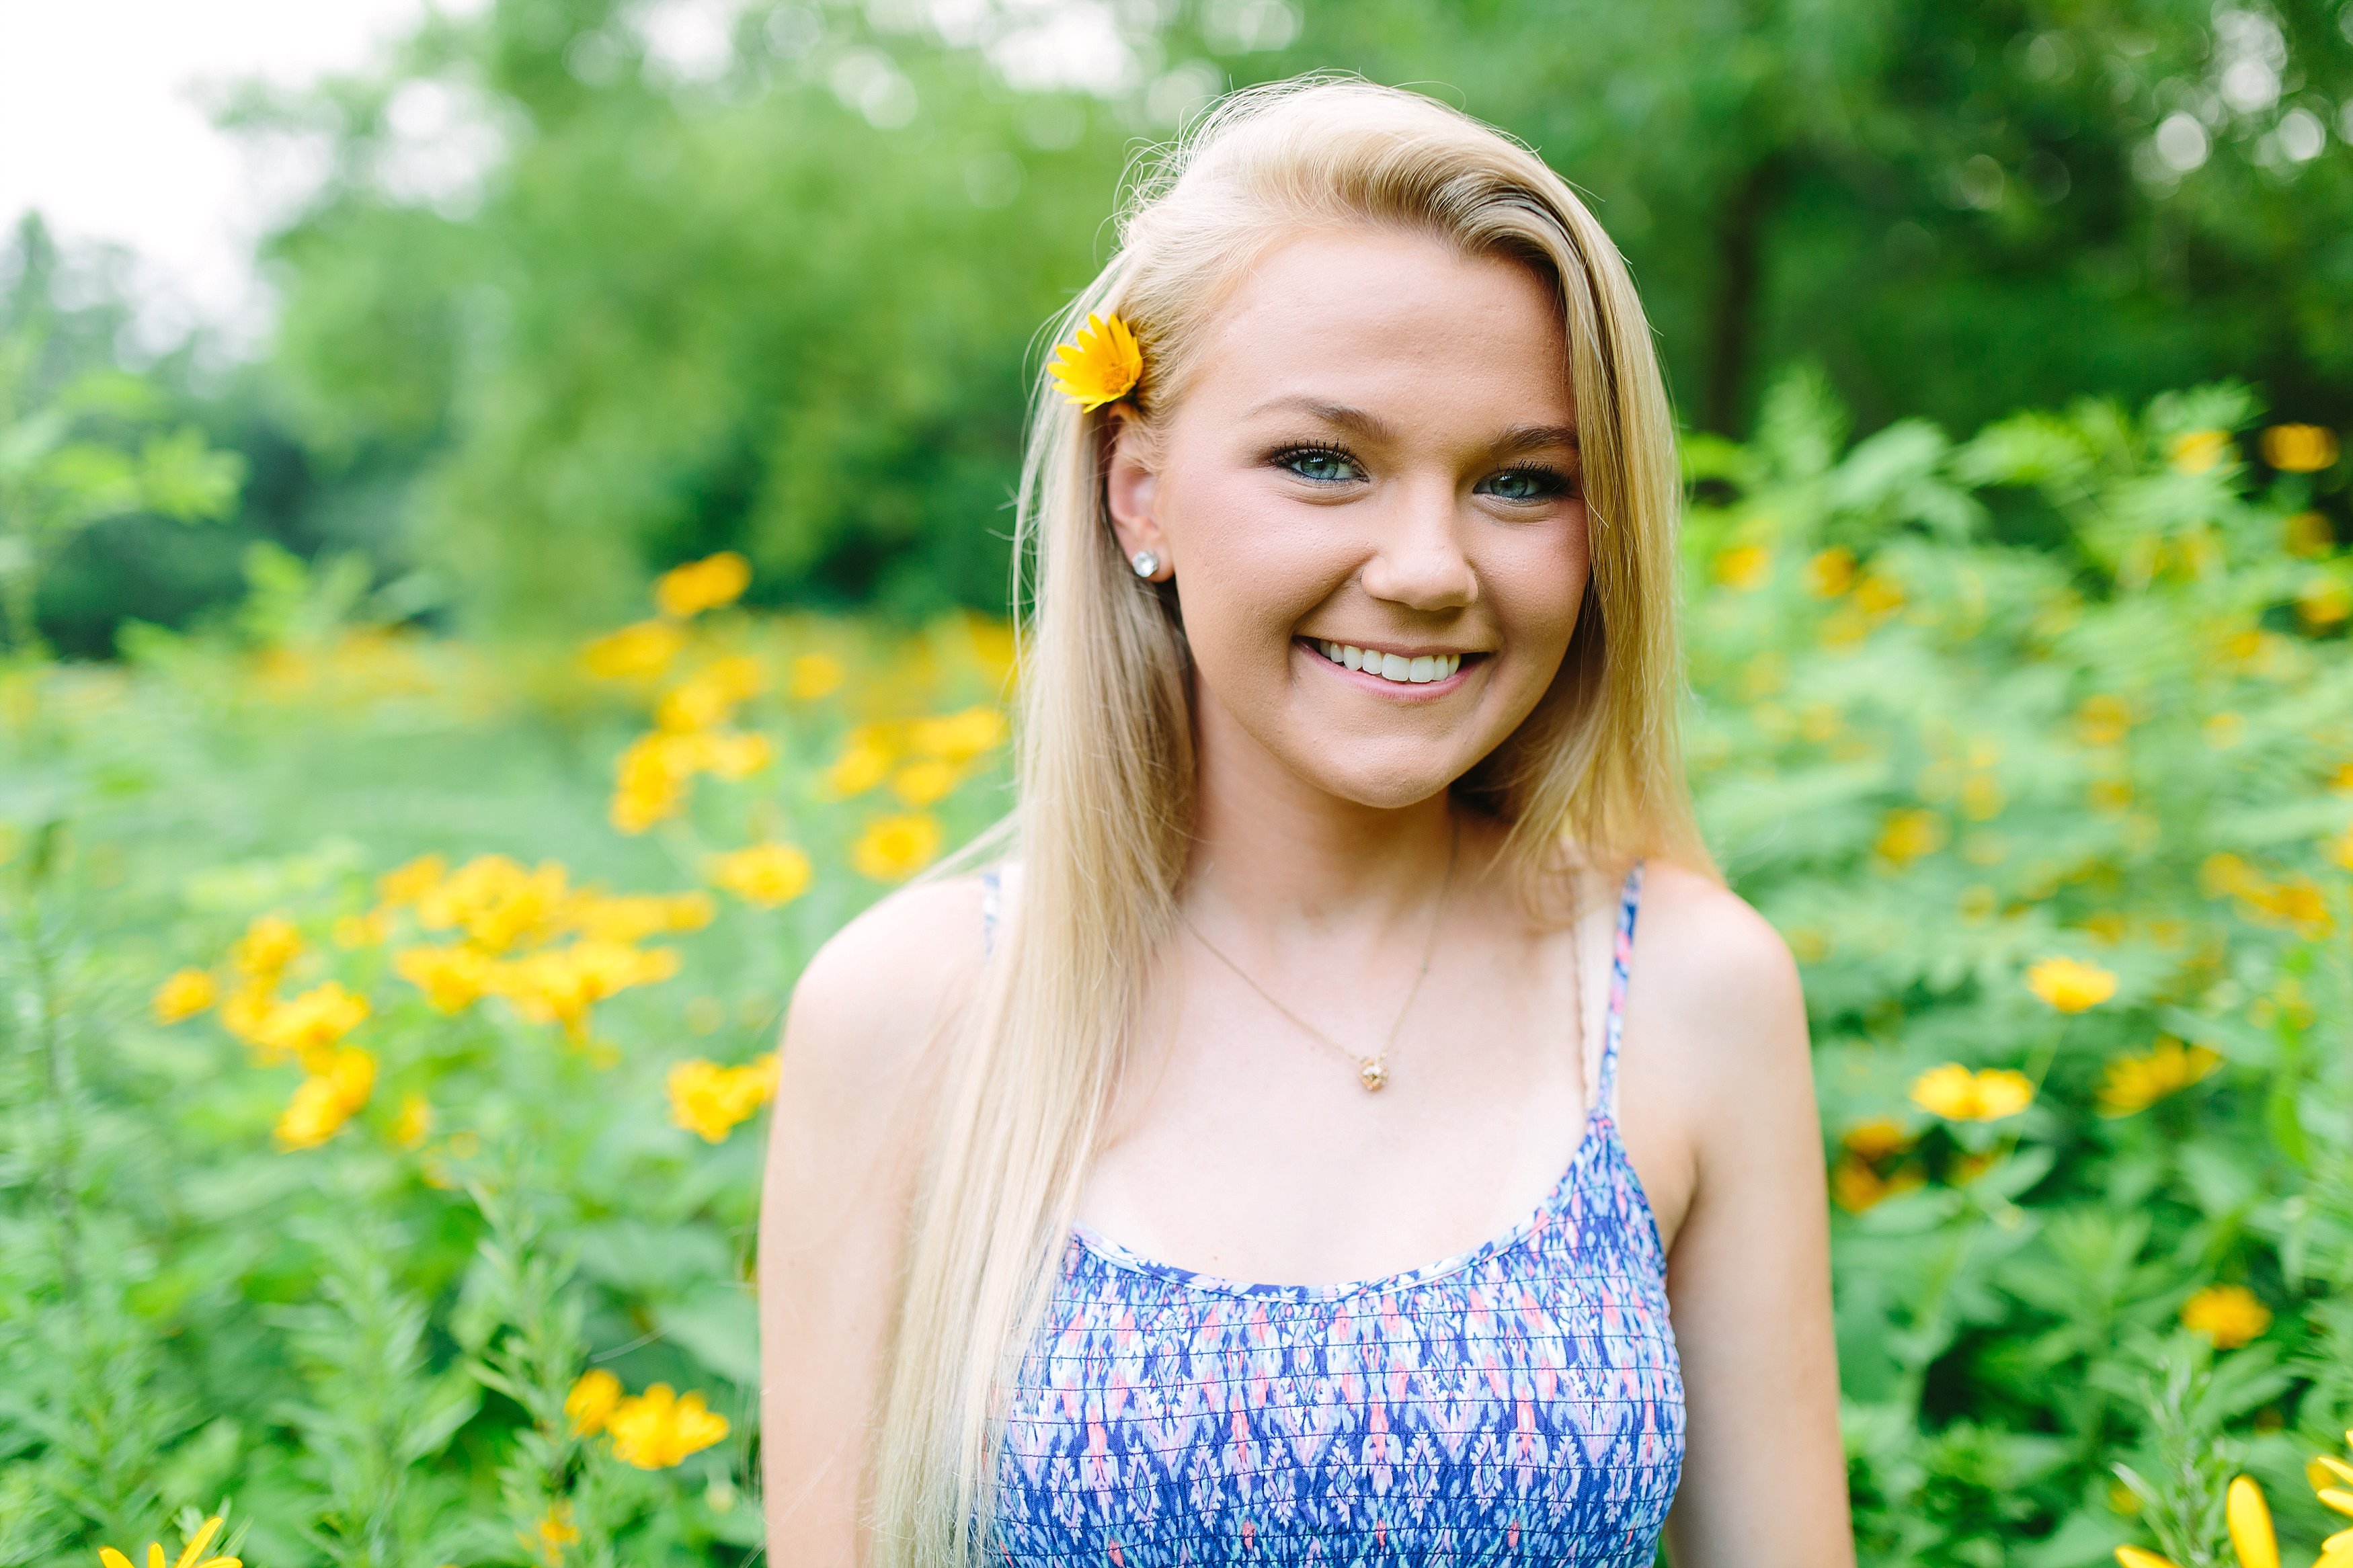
[(186, 994), (452, 978), (268, 946), (2137, 1082), (2228, 1314), (192, 1557), (307, 1026), (2308, 534), (924, 783), (245, 1012), (2103, 720), (2300, 448), (865, 762), (1879, 597), (764, 874), (660, 1428), (558, 985), (592, 1402), (496, 902), (330, 1097), (1743, 567), (1876, 1139), (1831, 572), (633, 916), (2197, 451), (2069, 985), (709, 696), (645, 649), (1906, 834), (709, 1100), (2134, 1557), (958, 737), (558, 1528), (812, 676), (405, 885), (1101, 364), (2252, 1536), (1957, 1094), (687, 591), (734, 755), (413, 1124), (893, 848), (2340, 849), (2322, 603)]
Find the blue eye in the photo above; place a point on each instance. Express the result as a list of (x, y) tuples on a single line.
[(1531, 484), (1322, 465)]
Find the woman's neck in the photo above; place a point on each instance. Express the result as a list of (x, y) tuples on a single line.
[(1272, 850)]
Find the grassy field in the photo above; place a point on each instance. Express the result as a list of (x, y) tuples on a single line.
[(389, 1017)]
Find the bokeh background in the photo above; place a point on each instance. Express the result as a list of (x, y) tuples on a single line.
[(450, 691)]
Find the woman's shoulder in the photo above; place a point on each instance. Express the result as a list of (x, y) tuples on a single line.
[(880, 993)]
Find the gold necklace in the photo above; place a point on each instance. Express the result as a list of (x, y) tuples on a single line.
[(1371, 1071)]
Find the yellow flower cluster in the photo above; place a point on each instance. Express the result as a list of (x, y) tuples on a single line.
[(2295, 901), (653, 1430), (2070, 985), (498, 906), (1866, 1172), (924, 759), (2137, 1082), (1957, 1094), (2300, 448), (684, 591), (307, 1029), (709, 1100)]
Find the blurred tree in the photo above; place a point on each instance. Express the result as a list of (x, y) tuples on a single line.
[(80, 442), (598, 286), (782, 305), (1958, 209)]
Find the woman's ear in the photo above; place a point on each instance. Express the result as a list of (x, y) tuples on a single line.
[(1132, 486)]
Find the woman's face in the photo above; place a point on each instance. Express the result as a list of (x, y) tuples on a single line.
[(1375, 458)]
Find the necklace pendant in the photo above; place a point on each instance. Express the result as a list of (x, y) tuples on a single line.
[(1373, 1074)]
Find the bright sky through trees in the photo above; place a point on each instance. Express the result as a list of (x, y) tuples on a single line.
[(105, 127)]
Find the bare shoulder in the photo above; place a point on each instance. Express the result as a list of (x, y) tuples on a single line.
[(875, 996), (1708, 963), (1714, 1072)]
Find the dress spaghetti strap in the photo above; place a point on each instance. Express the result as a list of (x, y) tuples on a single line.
[(991, 898), (1603, 1023)]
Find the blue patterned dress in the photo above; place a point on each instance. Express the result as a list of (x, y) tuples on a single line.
[(1518, 1404)]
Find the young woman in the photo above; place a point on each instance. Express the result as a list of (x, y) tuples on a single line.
[(1351, 1123)]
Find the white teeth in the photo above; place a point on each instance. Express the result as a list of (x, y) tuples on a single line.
[(1390, 666)]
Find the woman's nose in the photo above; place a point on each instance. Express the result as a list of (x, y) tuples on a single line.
[(1417, 560)]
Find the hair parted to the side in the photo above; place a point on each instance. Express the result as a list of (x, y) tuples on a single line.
[(1105, 765)]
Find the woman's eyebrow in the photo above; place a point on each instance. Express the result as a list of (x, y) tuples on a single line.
[(1368, 426), (1535, 438)]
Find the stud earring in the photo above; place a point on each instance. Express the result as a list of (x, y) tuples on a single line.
[(1145, 562)]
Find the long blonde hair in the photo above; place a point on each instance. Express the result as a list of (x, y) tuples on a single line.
[(1105, 764)]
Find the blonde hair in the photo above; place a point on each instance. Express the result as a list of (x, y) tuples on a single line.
[(1105, 765)]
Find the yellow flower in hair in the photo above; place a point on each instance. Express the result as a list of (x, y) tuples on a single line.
[(1101, 366)]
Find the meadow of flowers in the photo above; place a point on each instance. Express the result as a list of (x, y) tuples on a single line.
[(389, 1018)]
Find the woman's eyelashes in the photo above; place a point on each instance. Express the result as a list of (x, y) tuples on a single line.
[(1320, 465), (1527, 482), (1522, 484)]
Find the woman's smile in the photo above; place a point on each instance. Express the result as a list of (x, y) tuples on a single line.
[(1397, 672)]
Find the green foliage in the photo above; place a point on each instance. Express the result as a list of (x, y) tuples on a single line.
[(2076, 687)]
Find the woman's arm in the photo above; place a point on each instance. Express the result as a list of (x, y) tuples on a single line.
[(1718, 1101), (858, 1058)]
